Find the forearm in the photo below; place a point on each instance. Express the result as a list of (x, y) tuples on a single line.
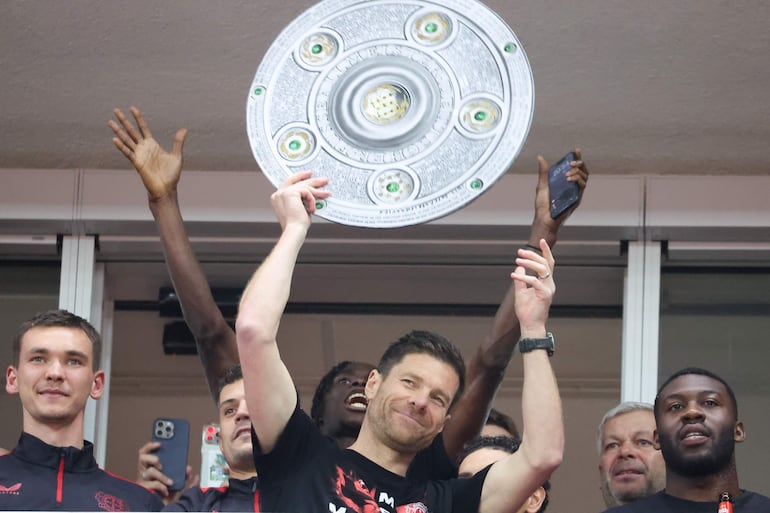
[(542, 423), (487, 367), (215, 340), (482, 378), (270, 393), (512, 480)]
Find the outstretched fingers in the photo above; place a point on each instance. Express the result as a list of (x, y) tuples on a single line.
[(141, 123)]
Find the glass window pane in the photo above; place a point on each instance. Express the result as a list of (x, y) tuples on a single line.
[(719, 319)]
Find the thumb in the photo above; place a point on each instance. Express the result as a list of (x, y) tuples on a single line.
[(518, 276), (542, 170), (179, 142)]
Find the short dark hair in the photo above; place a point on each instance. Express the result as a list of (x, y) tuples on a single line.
[(424, 342), (59, 319), (699, 372), (319, 397), (500, 419), (233, 374), (509, 444)]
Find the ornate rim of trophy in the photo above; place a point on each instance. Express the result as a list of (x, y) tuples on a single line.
[(412, 108)]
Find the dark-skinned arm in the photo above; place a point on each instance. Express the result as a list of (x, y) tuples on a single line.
[(486, 368), (160, 172)]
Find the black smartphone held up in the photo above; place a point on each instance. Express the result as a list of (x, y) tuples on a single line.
[(563, 194), (174, 438)]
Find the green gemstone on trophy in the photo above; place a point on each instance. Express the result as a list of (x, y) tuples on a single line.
[(316, 49), (294, 145), (319, 205), (510, 47), (430, 28), (259, 90), (480, 116), (477, 184), (392, 187)]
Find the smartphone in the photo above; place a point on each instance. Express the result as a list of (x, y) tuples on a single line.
[(174, 438), (563, 194), (213, 464)]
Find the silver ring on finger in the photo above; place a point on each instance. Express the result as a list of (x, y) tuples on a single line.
[(544, 276)]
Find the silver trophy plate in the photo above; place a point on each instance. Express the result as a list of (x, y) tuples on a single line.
[(411, 108)]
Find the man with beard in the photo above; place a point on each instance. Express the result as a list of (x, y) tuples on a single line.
[(54, 372), (340, 417), (696, 416), (630, 466), (409, 395)]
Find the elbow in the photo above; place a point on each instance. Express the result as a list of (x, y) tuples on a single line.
[(546, 459), (249, 331)]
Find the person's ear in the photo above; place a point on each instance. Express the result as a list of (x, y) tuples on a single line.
[(534, 501), (97, 386), (740, 432), (373, 383), (11, 380), (655, 440)]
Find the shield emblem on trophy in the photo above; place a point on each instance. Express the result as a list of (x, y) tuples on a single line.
[(412, 108)]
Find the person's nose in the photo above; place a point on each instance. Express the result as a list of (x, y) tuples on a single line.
[(419, 399), (242, 413), (628, 450), (692, 412), (54, 371)]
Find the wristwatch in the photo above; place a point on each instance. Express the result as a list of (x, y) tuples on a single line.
[(530, 344)]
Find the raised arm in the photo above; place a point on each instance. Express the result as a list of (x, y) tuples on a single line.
[(160, 172), (487, 366), (270, 393), (511, 480)]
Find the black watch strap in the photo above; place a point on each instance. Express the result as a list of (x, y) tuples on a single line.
[(530, 344)]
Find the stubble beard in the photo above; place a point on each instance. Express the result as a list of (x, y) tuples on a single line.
[(715, 460), (613, 498)]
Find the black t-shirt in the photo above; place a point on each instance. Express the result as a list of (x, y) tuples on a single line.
[(661, 502), (238, 495), (432, 463), (307, 471)]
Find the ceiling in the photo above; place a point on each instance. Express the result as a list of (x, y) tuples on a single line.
[(654, 87)]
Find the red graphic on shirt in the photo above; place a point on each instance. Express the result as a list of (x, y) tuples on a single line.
[(10, 490), (415, 507), (110, 502), (355, 494)]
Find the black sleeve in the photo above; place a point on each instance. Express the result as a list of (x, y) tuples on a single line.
[(457, 495), (297, 445)]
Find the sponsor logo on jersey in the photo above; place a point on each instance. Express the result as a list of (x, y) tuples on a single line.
[(10, 490), (109, 502)]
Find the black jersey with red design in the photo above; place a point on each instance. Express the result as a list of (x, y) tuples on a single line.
[(36, 476), (238, 495), (307, 471)]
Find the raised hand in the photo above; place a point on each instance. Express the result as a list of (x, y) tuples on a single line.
[(544, 225), (158, 168), (534, 291), (294, 201)]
